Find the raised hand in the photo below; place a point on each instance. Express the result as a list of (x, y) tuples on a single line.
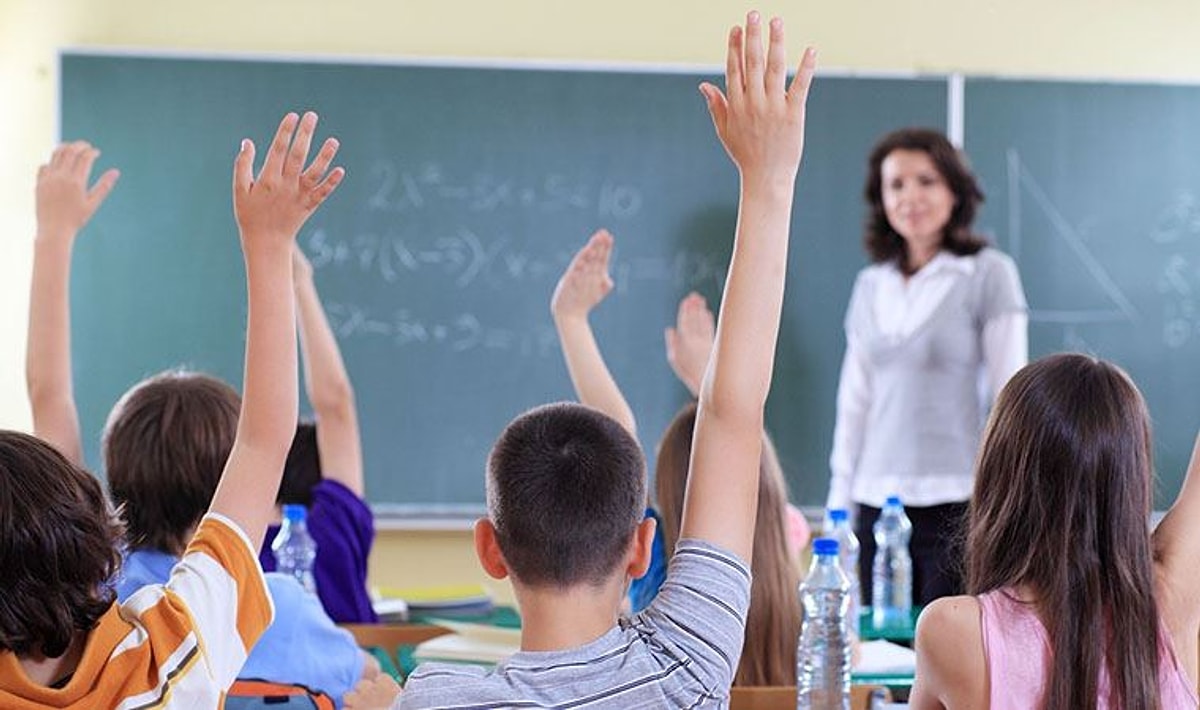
[(276, 204), (760, 120), (377, 693), (586, 282), (690, 342), (64, 201)]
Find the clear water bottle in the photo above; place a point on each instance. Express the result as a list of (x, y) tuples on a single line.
[(823, 654), (839, 529), (294, 549), (891, 572)]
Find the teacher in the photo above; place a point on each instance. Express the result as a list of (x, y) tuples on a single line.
[(936, 325)]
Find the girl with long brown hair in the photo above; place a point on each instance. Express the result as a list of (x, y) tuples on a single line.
[(773, 624), (1074, 603)]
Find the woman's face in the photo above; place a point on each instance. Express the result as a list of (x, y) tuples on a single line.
[(916, 199)]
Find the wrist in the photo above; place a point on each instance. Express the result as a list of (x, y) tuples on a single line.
[(54, 235), (569, 318), (769, 184)]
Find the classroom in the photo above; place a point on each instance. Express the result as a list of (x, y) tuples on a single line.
[(1036, 93)]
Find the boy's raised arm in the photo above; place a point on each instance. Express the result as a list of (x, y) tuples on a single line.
[(582, 287), (270, 210), (64, 206), (339, 444), (761, 124)]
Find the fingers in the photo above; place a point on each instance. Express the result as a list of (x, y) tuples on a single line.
[(718, 106), (321, 163), (671, 338), (798, 92), (296, 157), (279, 145), (326, 187), (85, 158), (776, 78), (243, 168), (103, 186), (753, 53), (735, 82)]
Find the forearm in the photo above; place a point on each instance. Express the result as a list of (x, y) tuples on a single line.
[(739, 373), (48, 347), (594, 384), (269, 400), (325, 378)]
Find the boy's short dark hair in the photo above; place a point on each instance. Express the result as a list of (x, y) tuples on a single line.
[(302, 471), (566, 488), (165, 445), (59, 548)]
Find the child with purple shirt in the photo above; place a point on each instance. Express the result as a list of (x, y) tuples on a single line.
[(324, 470)]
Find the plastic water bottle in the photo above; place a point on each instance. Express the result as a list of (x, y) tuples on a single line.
[(823, 654), (839, 529), (294, 549), (891, 573)]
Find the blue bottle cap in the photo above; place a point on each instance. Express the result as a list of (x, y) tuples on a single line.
[(295, 513), (838, 515), (894, 501), (825, 546)]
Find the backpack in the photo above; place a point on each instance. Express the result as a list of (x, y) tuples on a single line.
[(266, 695)]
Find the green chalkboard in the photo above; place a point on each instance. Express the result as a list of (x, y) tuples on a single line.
[(1094, 189), (468, 189)]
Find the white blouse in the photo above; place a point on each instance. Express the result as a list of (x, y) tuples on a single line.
[(925, 357)]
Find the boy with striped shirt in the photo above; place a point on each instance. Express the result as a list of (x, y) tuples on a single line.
[(566, 484)]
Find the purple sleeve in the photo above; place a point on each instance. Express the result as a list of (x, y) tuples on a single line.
[(344, 529)]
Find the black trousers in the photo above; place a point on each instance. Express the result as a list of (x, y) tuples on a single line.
[(936, 549)]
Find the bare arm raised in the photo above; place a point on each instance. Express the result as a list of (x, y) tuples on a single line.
[(328, 384), (690, 342), (65, 203), (761, 124), (270, 210), (1176, 549), (582, 287)]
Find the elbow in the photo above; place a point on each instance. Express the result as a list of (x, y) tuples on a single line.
[(333, 398)]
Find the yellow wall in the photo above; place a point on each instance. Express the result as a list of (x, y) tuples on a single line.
[(1153, 39)]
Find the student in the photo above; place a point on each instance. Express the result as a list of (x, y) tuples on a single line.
[(773, 624), (64, 643), (324, 470), (566, 484), (164, 445), (1074, 603)]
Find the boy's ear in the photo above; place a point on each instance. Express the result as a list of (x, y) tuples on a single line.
[(641, 548), (487, 548)]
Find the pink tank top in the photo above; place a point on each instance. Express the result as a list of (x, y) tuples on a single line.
[(1017, 651)]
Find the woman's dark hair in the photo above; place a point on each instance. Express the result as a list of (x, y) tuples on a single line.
[(59, 548), (883, 243), (1061, 506)]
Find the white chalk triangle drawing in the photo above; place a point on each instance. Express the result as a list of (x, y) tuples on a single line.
[(1114, 307)]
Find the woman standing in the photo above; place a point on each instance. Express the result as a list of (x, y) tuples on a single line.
[(935, 327)]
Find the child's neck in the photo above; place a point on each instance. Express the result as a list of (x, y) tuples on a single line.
[(554, 619), (49, 671)]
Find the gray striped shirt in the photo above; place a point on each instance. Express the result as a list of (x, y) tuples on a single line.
[(680, 652)]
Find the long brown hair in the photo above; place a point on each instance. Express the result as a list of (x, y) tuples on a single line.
[(773, 622), (883, 243), (1061, 503)]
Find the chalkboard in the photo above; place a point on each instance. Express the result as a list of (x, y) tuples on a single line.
[(468, 189), (1094, 189)]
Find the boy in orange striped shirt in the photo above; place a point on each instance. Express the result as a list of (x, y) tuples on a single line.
[(64, 643)]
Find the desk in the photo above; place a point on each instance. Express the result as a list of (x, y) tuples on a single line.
[(868, 632)]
